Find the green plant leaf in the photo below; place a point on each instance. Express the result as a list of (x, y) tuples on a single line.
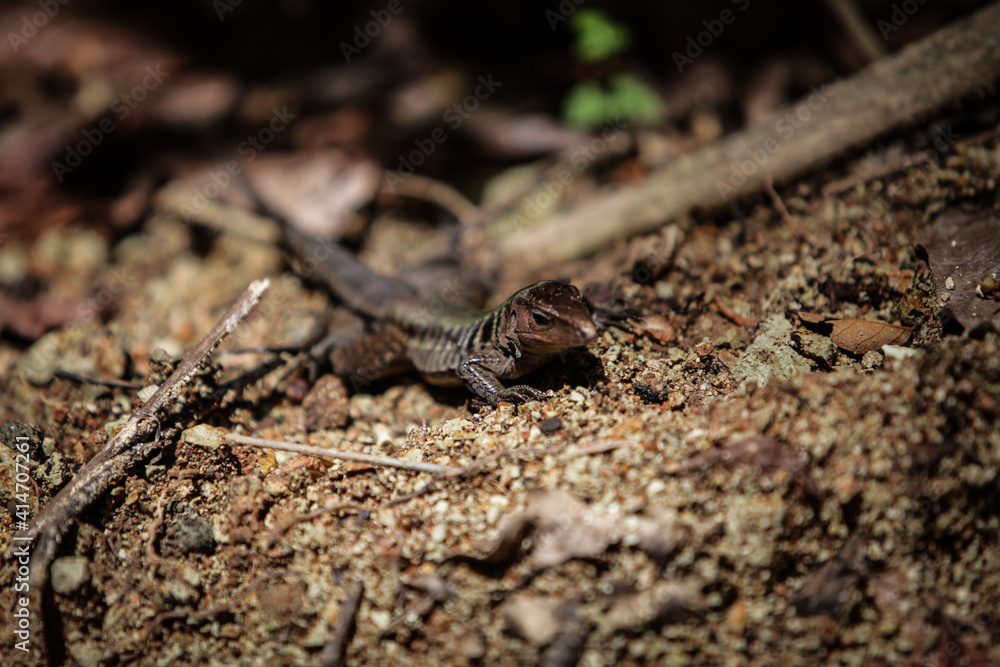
[(632, 99), (597, 36), (585, 106)]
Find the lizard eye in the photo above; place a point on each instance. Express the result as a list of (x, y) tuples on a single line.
[(542, 320)]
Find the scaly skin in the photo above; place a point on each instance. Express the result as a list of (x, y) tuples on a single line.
[(477, 348)]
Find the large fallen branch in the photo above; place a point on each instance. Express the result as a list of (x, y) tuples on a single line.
[(924, 77)]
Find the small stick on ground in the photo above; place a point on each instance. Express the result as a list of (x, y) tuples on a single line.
[(340, 455), (284, 526), (436, 192), (898, 164), (731, 314), (333, 652), (129, 446), (780, 205), (92, 379)]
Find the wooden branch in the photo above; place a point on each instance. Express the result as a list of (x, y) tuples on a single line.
[(926, 76), (129, 446)]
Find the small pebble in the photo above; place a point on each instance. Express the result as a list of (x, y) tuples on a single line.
[(550, 425), (69, 573)]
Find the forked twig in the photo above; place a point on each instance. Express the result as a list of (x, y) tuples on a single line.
[(130, 445)]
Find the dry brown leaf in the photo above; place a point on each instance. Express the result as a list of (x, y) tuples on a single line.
[(856, 336), (812, 318), (661, 603), (860, 336), (30, 319), (317, 192), (827, 590), (566, 528), (962, 247), (659, 328)]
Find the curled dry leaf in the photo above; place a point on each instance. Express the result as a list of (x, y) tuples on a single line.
[(860, 336), (566, 528), (318, 192), (857, 336), (658, 327)]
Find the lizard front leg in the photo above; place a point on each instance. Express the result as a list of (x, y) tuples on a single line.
[(481, 373)]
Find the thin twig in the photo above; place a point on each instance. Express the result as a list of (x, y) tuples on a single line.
[(436, 192), (333, 652), (129, 446), (731, 314), (340, 455), (776, 199), (92, 379), (284, 526), (601, 447), (891, 167)]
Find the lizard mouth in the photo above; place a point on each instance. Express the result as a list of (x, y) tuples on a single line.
[(586, 331)]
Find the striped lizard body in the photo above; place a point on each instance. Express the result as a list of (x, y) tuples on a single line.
[(450, 345)]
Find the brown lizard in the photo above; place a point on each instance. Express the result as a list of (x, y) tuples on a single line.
[(449, 345)]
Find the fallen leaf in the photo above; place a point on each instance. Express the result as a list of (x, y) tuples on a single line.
[(827, 590), (963, 247), (812, 318), (567, 528), (659, 328), (860, 336), (856, 336), (317, 192), (31, 318)]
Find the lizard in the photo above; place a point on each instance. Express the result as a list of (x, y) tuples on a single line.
[(449, 345)]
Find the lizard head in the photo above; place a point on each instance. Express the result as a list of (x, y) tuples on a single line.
[(550, 317)]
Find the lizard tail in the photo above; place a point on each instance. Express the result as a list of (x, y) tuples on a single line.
[(363, 288)]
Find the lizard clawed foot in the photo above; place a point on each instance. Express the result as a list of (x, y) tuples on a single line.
[(520, 393)]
